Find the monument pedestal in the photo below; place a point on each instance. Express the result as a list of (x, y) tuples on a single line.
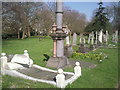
[(57, 62)]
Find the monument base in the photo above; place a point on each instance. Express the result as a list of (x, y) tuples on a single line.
[(57, 62)]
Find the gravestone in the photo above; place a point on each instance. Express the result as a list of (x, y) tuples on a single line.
[(74, 39), (67, 31), (92, 38), (83, 48), (89, 38), (116, 36), (68, 50), (106, 39), (96, 38), (100, 38)]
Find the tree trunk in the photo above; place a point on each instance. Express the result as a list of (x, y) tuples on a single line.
[(18, 35), (29, 32), (23, 35)]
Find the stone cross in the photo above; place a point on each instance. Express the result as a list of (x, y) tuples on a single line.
[(60, 79), (77, 69), (74, 38), (3, 63)]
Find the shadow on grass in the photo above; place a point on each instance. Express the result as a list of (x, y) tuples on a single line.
[(46, 57)]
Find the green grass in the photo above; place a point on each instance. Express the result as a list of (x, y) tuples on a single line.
[(35, 48), (105, 75)]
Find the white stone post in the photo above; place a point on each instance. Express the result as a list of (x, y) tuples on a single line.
[(60, 79), (26, 54), (3, 63), (77, 69)]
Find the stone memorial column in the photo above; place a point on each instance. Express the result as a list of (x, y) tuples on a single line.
[(60, 60)]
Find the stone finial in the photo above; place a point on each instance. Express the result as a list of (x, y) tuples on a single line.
[(60, 79), (77, 69), (3, 54), (77, 64), (25, 51), (3, 63), (60, 71)]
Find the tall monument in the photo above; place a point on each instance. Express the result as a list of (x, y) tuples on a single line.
[(59, 60)]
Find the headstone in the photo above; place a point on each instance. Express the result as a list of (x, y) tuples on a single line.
[(89, 38), (92, 38), (60, 79), (96, 38), (83, 48), (100, 36), (80, 40), (68, 50), (67, 31), (67, 41), (77, 69), (74, 38), (113, 37), (3, 63), (106, 39), (84, 40), (116, 36)]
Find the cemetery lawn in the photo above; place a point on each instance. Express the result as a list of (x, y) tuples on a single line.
[(104, 75)]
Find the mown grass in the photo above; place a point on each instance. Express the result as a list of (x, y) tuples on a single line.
[(104, 75)]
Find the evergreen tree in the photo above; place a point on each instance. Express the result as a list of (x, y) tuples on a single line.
[(100, 20)]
